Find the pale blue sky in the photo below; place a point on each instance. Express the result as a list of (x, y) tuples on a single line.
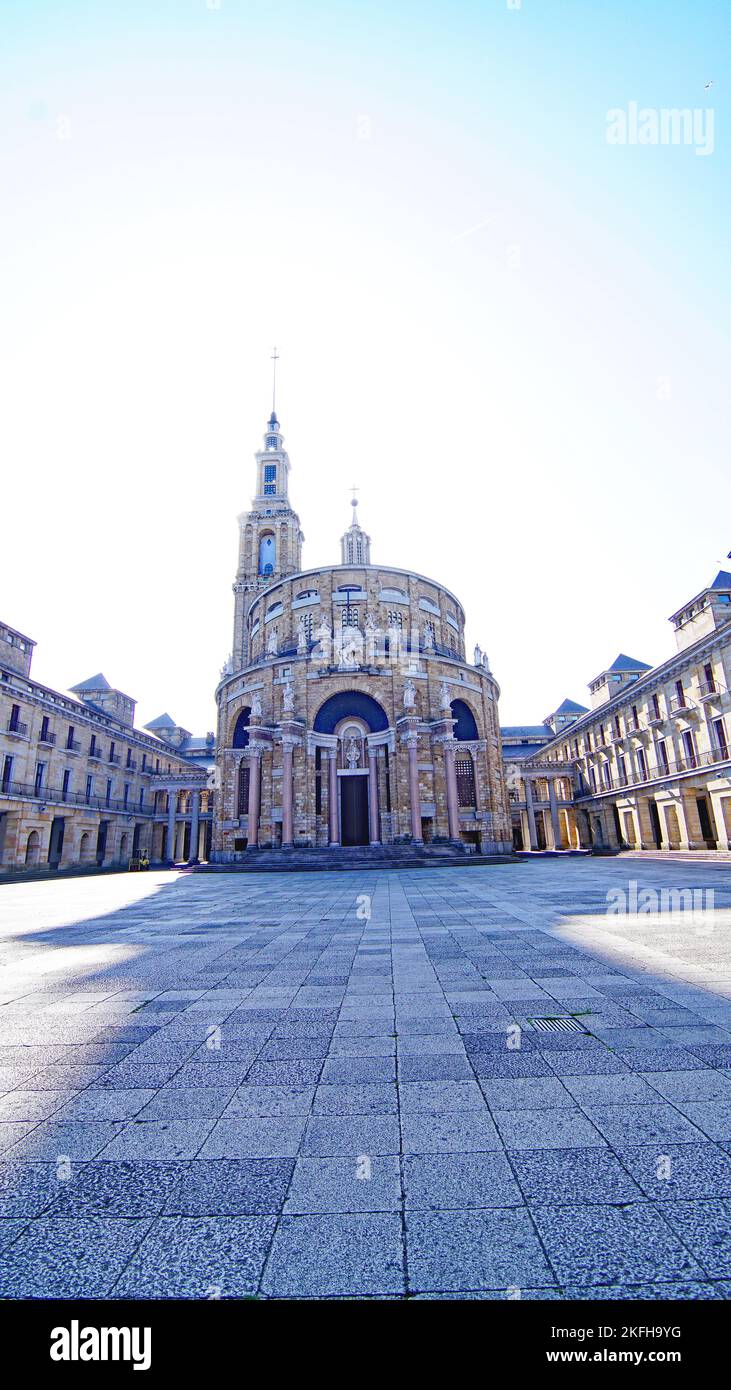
[(512, 336)]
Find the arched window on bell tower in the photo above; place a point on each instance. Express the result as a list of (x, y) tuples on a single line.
[(267, 553)]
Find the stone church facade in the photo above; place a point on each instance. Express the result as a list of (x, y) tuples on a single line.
[(348, 714)]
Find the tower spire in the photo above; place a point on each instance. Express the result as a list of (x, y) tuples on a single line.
[(355, 545), (275, 359)]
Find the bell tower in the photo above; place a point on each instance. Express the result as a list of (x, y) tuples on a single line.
[(355, 545), (270, 538)]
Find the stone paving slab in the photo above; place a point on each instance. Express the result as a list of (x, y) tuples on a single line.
[(245, 1086)]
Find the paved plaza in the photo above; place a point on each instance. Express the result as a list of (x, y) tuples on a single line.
[(328, 1085)]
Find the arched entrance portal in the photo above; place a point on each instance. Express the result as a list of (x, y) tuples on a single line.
[(353, 724)]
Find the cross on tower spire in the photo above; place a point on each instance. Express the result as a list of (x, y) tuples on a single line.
[(275, 359)]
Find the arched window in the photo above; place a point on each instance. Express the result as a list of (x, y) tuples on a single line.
[(465, 727), (267, 553), (241, 729)]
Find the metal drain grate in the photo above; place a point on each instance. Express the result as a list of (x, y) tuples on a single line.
[(557, 1025)]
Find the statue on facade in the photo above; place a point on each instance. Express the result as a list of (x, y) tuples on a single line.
[(485, 662), (256, 709), (301, 634), (428, 637), (228, 666), (272, 645), (444, 697), (352, 753), (288, 697), (409, 695), (478, 655)]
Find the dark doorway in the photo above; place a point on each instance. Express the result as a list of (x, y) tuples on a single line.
[(136, 841), (101, 842), (704, 816), (55, 846), (655, 821), (354, 810), (517, 835), (540, 830)]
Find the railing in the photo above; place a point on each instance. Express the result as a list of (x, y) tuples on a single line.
[(27, 791), (707, 688), (674, 767), (16, 727), (96, 753), (678, 704), (73, 745), (47, 737), (131, 764), (114, 759)]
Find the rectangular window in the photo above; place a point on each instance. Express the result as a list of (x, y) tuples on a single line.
[(89, 787), (126, 794), (635, 718), (709, 683), (40, 778), (7, 773), (642, 764), (689, 747), (44, 728), (270, 472), (465, 770), (142, 798), (109, 790), (663, 761), (65, 783), (720, 737), (92, 746), (144, 762), (680, 694), (14, 718), (656, 706)]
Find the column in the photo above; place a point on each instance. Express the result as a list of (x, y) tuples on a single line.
[(287, 792), (194, 815), (452, 797), (172, 809), (412, 744), (533, 833), (555, 822), (691, 834), (252, 831), (332, 797), (373, 811)]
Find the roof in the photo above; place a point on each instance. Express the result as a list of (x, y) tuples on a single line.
[(721, 583), (571, 707), (628, 663), (525, 731), (163, 721), (722, 580), (97, 682), (514, 751)]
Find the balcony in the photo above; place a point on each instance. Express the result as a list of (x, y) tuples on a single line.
[(17, 729), (47, 737), (73, 745), (708, 690), (96, 753), (114, 759), (679, 708), (677, 767), (27, 791), (131, 765)]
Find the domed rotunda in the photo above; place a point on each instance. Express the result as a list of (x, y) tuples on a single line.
[(348, 714)]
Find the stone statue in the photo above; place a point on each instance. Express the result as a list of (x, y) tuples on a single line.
[(227, 668), (301, 634), (370, 622), (478, 655), (352, 753), (444, 701), (409, 695), (288, 697), (428, 637), (272, 647), (485, 662), (256, 709)]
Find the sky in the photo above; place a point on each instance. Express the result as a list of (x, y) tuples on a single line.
[(508, 331)]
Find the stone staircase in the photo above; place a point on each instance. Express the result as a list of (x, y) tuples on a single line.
[(406, 856)]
